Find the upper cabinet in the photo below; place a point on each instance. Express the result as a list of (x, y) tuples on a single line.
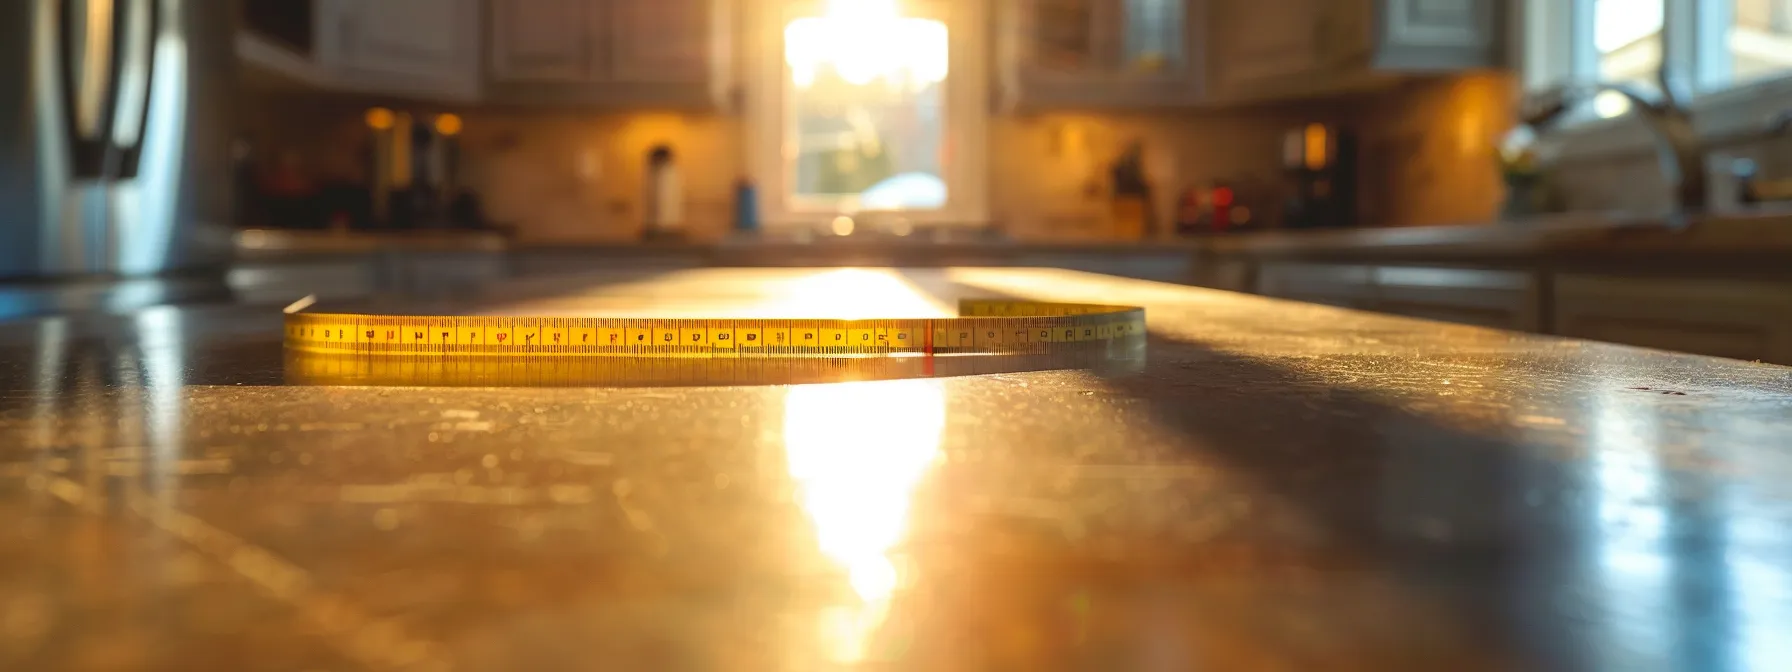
[(415, 48), (664, 41), (1250, 49), (1430, 35), (1146, 53), (1097, 53), (613, 53), (610, 52), (545, 40), (1268, 49)]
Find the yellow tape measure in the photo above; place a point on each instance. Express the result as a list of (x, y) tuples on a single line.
[(335, 348)]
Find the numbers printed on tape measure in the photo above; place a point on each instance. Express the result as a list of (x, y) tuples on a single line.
[(989, 327)]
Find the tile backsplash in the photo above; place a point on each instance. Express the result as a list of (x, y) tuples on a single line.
[(552, 176), (1428, 150), (576, 176), (572, 177)]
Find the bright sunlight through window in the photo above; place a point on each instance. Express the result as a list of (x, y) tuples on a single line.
[(1757, 42), (1627, 35), (867, 107)]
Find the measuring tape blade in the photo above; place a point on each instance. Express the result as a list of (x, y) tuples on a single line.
[(342, 348), (419, 371)]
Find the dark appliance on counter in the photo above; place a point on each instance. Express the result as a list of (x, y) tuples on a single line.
[(1320, 161), (1131, 189), (288, 23), (414, 172), (115, 155)]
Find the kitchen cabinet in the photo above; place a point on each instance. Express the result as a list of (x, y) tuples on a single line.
[(1264, 42), (1431, 35), (1342, 285), (615, 53), (611, 52), (1278, 49), (1098, 53), (1498, 298), (1152, 53), (545, 40), (417, 48), (1725, 318), (663, 41)]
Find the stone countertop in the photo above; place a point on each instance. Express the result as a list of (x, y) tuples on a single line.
[(1283, 486), (252, 243), (276, 244), (1763, 234)]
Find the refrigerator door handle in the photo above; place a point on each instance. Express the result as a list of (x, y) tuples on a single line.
[(89, 63), (136, 71)]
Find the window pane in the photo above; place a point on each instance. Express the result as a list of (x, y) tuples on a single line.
[(1627, 35), (1757, 43), (867, 109), (1153, 38)]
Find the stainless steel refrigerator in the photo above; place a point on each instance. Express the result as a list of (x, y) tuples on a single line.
[(115, 131)]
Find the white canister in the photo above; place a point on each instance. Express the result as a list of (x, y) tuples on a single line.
[(663, 202)]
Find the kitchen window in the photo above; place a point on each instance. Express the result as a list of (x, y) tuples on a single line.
[(1626, 39), (1751, 41), (868, 109), (1734, 55)]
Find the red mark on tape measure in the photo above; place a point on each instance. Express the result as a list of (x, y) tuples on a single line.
[(927, 347)]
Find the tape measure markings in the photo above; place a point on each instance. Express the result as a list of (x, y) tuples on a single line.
[(986, 326)]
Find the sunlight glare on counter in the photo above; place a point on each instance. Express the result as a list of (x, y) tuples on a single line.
[(857, 451)]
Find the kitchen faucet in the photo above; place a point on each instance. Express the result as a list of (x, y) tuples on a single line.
[(1667, 115)]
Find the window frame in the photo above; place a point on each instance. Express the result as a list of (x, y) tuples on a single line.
[(1553, 48), (967, 112)]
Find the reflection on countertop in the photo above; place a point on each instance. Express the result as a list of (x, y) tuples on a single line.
[(1284, 486), (276, 243), (1746, 233), (273, 242), (1609, 235)]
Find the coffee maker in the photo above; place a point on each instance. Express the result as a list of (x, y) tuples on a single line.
[(1320, 161)]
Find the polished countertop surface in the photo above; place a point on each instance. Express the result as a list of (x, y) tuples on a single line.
[(1282, 486), (1763, 233), (257, 244)]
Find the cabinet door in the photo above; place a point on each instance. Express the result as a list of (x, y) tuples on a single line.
[(1152, 35), (1343, 285), (660, 40), (1724, 318), (1066, 36), (1503, 299), (1430, 35), (543, 40), (403, 46), (1097, 53), (1261, 41), (1104, 37)]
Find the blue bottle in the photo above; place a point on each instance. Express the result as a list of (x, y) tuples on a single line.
[(746, 207)]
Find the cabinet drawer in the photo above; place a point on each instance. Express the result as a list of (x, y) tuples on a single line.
[(544, 40), (1324, 283), (1724, 318), (1500, 299)]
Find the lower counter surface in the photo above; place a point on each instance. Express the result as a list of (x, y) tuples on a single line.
[(1283, 486)]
